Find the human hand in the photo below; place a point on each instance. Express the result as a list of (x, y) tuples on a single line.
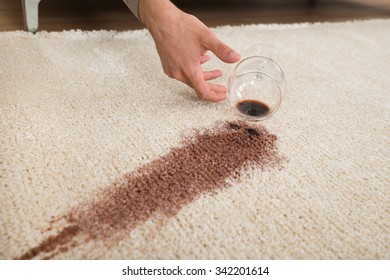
[(182, 42)]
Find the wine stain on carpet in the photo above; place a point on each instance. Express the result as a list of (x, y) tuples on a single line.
[(202, 164)]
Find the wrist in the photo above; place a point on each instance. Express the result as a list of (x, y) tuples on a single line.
[(154, 13)]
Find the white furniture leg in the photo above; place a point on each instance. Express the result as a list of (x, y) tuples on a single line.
[(30, 13)]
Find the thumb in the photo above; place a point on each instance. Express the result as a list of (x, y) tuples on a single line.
[(222, 51)]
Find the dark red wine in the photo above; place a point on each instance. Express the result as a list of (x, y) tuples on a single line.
[(253, 108)]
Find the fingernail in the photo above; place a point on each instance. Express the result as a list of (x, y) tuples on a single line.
[(234, 55)]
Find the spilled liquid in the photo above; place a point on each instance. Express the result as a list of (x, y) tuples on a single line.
[(201, 165)]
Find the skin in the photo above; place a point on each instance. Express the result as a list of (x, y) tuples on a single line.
[(182, 42)]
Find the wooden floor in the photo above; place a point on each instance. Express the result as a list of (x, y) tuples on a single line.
[(56, 15)]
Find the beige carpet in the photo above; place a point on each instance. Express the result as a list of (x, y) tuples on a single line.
[(104, 157)]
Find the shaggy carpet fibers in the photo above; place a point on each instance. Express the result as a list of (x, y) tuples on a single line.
[(104, 157)]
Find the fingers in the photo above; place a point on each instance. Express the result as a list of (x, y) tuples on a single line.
[(207, 91), (204, 58), (197, 81), (221, 50), (217, 93), (220, 89), (193, 75), (210, 75)]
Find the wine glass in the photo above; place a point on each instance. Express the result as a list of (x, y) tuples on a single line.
[(256, 87)]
